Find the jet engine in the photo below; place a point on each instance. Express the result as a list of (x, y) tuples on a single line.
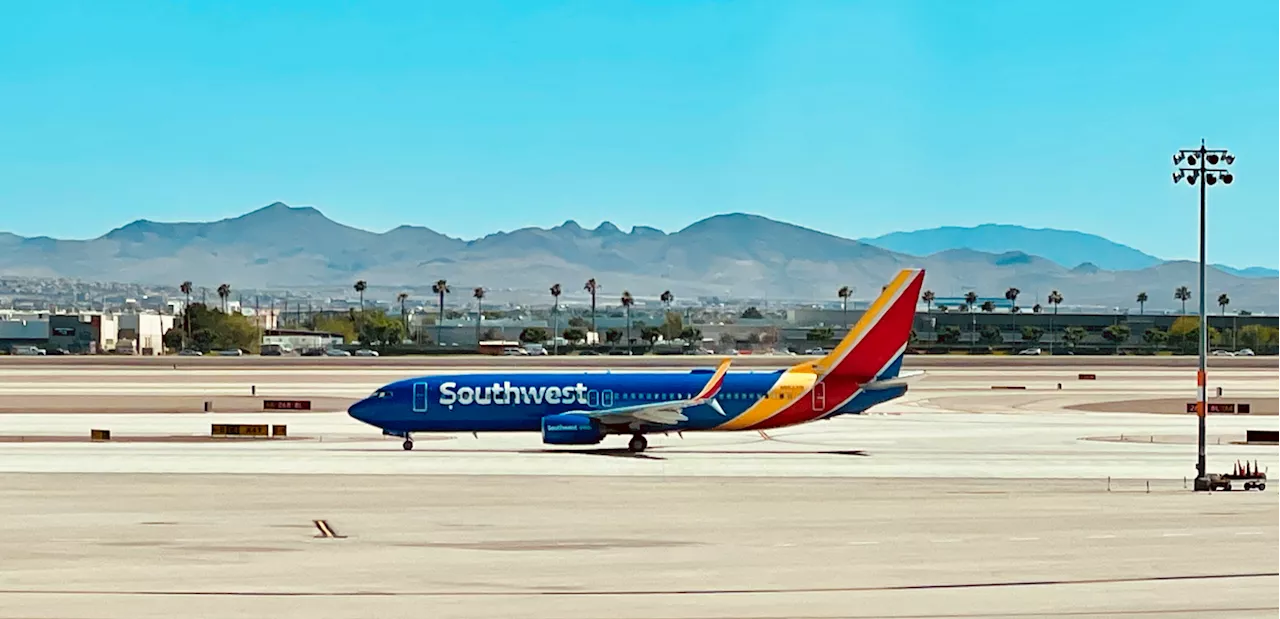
[(571, 429)]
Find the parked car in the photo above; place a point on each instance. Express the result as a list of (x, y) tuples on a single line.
[(1029, 351), (190, 353), (512, 351), (230, 352), (815, 351), (1244, 352), (365, 352), (336, 352)]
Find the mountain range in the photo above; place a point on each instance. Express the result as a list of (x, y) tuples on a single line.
[(735, 255), (1065, 247)]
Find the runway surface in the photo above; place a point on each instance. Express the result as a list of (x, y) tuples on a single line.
[(956, 501)]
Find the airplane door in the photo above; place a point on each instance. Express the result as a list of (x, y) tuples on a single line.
[(606, 398), (419, 397), (819, 397)]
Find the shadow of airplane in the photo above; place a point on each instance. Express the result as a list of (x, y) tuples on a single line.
[(614, 453), (625, 453)]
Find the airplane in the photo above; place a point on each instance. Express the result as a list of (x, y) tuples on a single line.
[(583, 407)]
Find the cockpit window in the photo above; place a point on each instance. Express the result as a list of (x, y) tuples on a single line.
[(382, 393)]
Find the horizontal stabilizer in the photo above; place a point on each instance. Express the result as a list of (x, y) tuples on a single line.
[(900, 380)]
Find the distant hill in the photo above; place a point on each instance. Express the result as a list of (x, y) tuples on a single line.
[(1249, 272), (735, 255), (1065, 247)]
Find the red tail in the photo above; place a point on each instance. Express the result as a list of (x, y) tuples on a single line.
[(874, 346)]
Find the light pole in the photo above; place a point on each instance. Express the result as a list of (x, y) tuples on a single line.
[(1198, 171)]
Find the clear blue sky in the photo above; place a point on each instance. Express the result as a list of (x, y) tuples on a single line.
[(857, 118)]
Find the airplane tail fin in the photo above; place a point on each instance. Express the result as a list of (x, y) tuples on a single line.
[(873, 348)]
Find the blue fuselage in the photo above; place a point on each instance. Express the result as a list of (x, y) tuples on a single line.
[(514, 402)]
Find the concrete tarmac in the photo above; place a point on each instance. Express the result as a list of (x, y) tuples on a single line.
[(152, 545), (955, 501)]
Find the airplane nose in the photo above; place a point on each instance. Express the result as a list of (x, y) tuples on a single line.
[(361, 411)]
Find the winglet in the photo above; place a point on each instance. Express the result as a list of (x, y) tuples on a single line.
[(717, 380)]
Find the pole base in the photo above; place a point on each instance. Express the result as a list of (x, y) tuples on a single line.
[(1203, 484)]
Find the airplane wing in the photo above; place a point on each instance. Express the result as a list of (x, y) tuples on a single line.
[(667, 413)]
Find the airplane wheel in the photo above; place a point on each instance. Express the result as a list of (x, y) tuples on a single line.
[(408, 444), (638, 443)]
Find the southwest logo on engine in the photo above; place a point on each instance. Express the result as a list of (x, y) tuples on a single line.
[(506, 394)]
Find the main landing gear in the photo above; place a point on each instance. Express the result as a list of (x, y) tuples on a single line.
[(638, 443), (408, 442)]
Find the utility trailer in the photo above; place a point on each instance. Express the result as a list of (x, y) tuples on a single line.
[(1247, 475)]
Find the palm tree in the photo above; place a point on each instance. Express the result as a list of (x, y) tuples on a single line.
[(224, 291), (928, 297), (988, 307), (844, 293), (970, 299), (1223, 302), (592, 287), (186, 309), (404, 316), (1182, 294), (1142, 303), (360, 287), (441, 288), (478, 293), (555, 317), (1055, 299), (1012, 295), (627, 302)]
